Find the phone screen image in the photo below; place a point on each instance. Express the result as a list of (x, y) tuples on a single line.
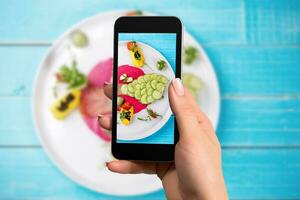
[(146, 67)]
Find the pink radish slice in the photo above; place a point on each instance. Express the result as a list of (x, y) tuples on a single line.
[(130, 71), (101, 73), (137, 106), (94, 126), (93, 101)]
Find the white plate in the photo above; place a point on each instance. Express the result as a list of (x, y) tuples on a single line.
[(140, 129), (73, 148)]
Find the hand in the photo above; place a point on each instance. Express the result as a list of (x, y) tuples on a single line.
[(197, 170)]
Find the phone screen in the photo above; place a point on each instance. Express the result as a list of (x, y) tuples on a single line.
[(146, 67)]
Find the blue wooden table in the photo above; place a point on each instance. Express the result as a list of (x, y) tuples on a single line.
[(255, 48)]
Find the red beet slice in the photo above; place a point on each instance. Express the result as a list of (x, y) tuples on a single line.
[(137, 106)]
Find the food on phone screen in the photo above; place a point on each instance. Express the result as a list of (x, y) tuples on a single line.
[(136, 54), (147, 88), (63, 106), (161, 64), (125, 78), (126, 113)]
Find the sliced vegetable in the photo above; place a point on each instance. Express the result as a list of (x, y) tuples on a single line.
[(161, 64), (137, 56), (147, 88), (120, 101), (190, 55), (63, 106), (148, 118), (193, 83), (79, 38)]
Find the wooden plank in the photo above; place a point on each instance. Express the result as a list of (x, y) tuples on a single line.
[(28, 174), (212, 22), (273, 22), (255, 70), (250, 174), (241, 70), (18, 68), (243, 122)]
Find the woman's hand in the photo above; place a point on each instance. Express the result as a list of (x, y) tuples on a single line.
[(197, 170)]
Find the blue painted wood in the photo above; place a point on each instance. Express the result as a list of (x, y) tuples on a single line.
[(243, 122), (256, 70), (249, 174), (29, 174), (18, 68), (51, 18), (273, 22), (241, 70)]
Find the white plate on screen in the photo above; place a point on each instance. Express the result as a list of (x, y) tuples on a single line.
[(72, 147), (141, 129)]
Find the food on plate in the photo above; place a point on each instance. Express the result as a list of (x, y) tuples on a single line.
[(63, 106), (79, 38), (136, 54), (130, 71), (72, 76), (137, 105), (190, 55), (151, 115), (126, 113), (101, 73), (93, 97), (134, 13), (120, 101), (193, 83), (93, 101), (161, 64), (147, 88), (125, 79)]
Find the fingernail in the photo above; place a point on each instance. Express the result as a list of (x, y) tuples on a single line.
[(107, 83), (178, 87), (106, 164)]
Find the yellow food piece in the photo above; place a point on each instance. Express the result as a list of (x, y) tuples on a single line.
[(126, 116), (137, 57), (63, 106)]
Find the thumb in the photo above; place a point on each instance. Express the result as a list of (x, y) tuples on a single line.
[(188, 114)]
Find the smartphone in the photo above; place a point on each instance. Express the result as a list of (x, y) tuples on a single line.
[(147, 57)]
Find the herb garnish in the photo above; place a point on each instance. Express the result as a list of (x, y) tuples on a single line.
[(190, 55)]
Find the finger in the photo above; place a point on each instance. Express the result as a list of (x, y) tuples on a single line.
[(108, 90), (129, 167), (104, 121), (188, 115)]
